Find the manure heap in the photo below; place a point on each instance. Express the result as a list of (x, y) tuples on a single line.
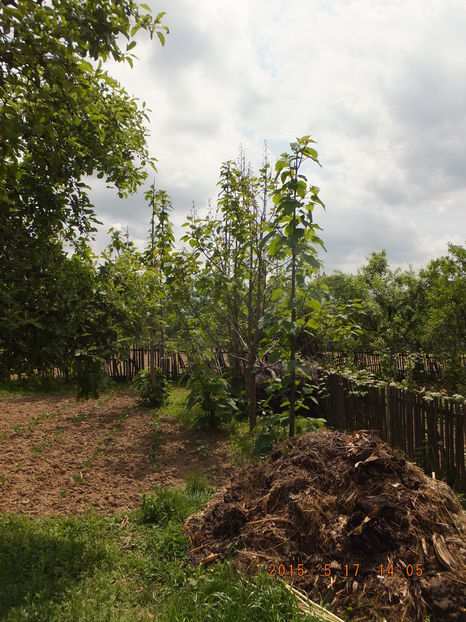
[(326, 502)]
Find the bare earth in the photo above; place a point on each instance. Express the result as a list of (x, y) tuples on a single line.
[(62, 457)]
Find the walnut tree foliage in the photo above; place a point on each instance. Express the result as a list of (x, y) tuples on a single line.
[(62, 118)]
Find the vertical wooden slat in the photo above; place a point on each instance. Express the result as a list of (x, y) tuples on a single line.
[(396, 417), (451, 424), (410, 425), (418, 429), (382, 412), (452, 436), (447, 438), (460, 470), (432, 438)]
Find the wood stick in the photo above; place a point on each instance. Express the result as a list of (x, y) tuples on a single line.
[(311, 606)]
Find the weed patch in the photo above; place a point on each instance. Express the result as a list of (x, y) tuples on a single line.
[(77, 478), (79, 418), (38, 449), (166, 505)]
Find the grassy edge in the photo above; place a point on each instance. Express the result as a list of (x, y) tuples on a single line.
[(127, 568)]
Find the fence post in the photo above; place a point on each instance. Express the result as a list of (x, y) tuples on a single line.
[(410, 424), (394, 418), (128, 368), (460, 413), (341, 403), (390, 415)]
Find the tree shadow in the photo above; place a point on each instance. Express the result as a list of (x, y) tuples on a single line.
[(39, 560), (172, 447)]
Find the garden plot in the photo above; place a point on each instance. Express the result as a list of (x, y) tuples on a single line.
[(59, 456)]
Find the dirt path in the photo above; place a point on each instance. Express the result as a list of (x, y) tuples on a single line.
[(61, 457)]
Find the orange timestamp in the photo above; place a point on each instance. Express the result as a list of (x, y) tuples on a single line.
[(283, 570), (349, 569), (409, 570)]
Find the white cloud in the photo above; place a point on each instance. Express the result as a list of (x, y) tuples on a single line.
[(380, 85)]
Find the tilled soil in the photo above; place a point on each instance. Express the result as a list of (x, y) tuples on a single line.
[(350, 521), (59, 456)]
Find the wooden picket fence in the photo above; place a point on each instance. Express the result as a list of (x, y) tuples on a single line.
[(125, 367), (173, 365), (432, 366), (430, 431)]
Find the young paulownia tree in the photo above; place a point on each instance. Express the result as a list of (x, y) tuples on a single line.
[(293, 241), (158, 261)]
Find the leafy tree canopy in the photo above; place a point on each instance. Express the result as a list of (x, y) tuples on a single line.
[(62, 116), (444, 287)]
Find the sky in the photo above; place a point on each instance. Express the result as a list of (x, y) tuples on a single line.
[(379, 84)]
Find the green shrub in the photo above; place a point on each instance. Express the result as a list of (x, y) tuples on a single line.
[(211, 392), (88, 375), (151, 395), (273, 429)]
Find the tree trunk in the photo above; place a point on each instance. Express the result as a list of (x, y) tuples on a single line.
[(250, 390), (152, 356), (293, 343)]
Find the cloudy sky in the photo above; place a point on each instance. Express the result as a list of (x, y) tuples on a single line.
[(379, 84)]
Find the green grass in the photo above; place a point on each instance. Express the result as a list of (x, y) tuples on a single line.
[(175, 406), (38, 449), (242, 442), (34, 385), (127, 569)]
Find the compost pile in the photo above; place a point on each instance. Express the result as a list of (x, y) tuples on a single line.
[(328, 501)]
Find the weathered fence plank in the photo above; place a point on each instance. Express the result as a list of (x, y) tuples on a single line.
[(431, 432)]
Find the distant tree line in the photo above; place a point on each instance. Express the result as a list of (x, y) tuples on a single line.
[(399, 311)]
